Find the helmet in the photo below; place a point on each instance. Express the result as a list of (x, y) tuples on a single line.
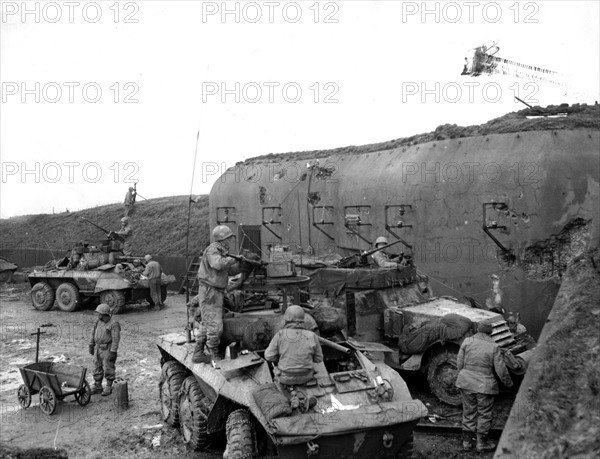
[(222, 232), (294, 314), (484, 328), (130, 188), (148, 257), (103, 309), (381, 240), (125, 220)]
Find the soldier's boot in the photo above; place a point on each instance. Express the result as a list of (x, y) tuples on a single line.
[(467, 440), (97, 389), (484, 444), (107, 389), (199, 355), (214, 355)]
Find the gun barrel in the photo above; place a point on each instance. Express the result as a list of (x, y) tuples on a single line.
[(371, 252), (332, 345), (242, 259), (94, 224)]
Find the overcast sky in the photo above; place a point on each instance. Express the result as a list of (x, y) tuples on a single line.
[(96, 95)]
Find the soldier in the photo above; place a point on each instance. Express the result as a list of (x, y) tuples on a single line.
[(103, 346), (295, 348), (129, 201), (153, 273), (212, 277), (126, 232), (382, 259), (514, 324), (479, 356)]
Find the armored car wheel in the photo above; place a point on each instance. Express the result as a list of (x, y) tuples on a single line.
[(115, 299), (241, 440), (48, 400), (24, 396), (172, 376), (194, 407), (84, 397), (67, 297), (442, 374), (42, 296)]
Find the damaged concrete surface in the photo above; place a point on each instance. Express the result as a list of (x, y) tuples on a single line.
[(539, 191), (557, 410)]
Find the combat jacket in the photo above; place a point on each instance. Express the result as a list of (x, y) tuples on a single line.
[(478, 356), (129, 197), (153, 270), (106, 335), (296, 349), (126, 232), (382, 260), (214, 266)]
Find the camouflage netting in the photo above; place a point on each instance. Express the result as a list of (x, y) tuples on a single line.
[(578, 116)]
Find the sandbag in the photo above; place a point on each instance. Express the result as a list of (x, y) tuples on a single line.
[(271, 401)]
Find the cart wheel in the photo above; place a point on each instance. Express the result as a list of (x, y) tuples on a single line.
[(24, 396), (47, 400), (84, 397)]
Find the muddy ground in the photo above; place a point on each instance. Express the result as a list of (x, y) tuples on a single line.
[(100, 430)]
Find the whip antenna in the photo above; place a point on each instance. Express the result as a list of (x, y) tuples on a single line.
[(187, 244)]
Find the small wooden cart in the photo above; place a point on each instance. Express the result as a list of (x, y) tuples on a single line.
[(53, 381)]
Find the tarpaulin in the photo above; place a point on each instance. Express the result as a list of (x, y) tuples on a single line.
[(415, 340), (335, 280), (366, 417)]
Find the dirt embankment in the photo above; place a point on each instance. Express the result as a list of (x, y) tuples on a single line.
[(159, 227), (578, 116), (557, 410)]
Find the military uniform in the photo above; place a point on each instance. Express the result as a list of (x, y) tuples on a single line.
[(129, 201), (382, 260), (105, 343), (296, 349), (153, 272), (478, 357), (126, 232), (212, 277)]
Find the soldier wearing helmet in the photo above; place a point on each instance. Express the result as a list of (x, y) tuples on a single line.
[(126, 232), (129, 200), (213, 275), (479, 360), (382, 259), (103, 346), (295, 348)]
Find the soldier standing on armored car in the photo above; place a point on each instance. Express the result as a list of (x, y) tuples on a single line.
[(213, 276), (103, 346)]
